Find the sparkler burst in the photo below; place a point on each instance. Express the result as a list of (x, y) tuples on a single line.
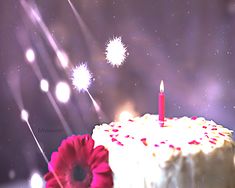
[(81, 77), (116, 52)]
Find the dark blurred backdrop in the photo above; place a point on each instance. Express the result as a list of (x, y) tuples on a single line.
[(190, 44)]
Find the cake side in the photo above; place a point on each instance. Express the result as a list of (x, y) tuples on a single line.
[(186, 152)]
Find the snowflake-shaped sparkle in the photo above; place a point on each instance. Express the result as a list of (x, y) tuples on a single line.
[(116, 52), (81, 77)]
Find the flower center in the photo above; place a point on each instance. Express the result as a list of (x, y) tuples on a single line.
[(79, 173)]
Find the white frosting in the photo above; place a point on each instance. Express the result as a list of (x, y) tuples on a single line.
[(184, 153)]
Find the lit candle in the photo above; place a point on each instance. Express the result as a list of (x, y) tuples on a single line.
[(161, 103)]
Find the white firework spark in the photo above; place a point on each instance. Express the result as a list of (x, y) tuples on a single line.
[(24, 115), (116, 52), (81, 77)]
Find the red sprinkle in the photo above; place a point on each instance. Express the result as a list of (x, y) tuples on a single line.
[(156, 145), (204, 127), (143, 140), (114, 139), (115, 130), (162, 142), (178, 148), (221, 134), (111, 135), (131, 120), (120, 144), (171, 146), (194, 117), (212, 142), (194, 142), (127, 136), (106, 130), (213, 139), (214, 129), (119, 126)]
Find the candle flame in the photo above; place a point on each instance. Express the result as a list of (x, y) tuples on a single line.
[(162, 86)]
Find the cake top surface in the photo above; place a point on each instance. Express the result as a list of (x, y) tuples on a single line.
[(178, 135)]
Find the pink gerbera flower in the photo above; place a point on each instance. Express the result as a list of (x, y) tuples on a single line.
[(77, 164)]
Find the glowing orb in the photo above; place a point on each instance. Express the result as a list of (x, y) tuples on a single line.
[(116, 52), (125, 116), (24, 115), (12, 174), (81, 77), (62, 92), (36, 181), (44, 85), (30, 55)]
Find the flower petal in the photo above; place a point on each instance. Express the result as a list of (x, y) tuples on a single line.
[(101, 181), (99, 155), (48, 176), (102, 168), (89, 144), (58, 164), (52, 182), (83, 146), (67, 152)]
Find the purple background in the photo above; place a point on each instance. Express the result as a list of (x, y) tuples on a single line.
[(190, 44)]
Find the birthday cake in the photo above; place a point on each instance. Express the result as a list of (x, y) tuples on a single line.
[(183, 153)]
